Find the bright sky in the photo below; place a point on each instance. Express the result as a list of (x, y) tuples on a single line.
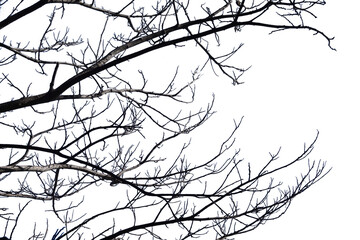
[(322, 94), (297, 85)]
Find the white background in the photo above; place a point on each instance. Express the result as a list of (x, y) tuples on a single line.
[(296, 86), (324, 95)]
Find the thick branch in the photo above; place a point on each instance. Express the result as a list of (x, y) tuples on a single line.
[(104, 64)]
